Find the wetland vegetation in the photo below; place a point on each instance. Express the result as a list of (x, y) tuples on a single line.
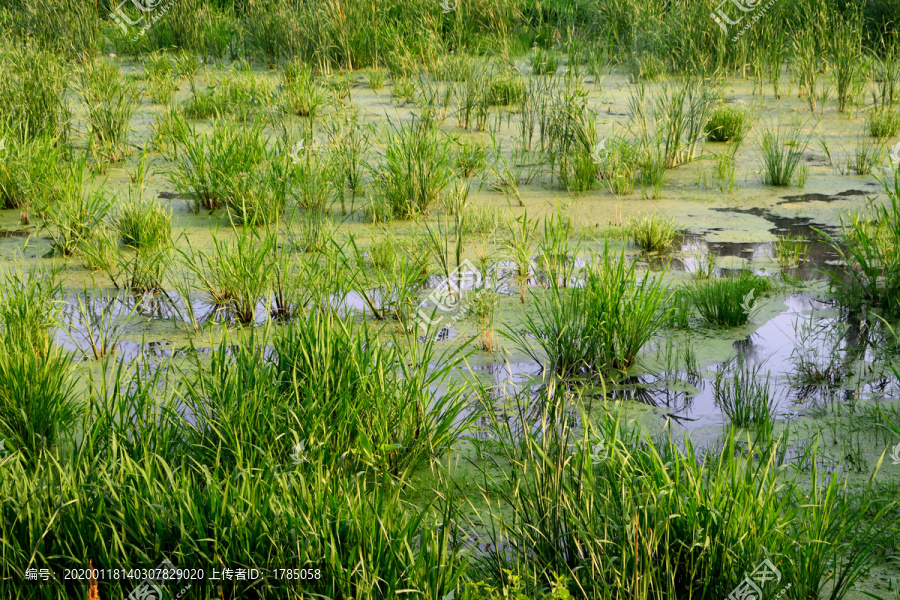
[(450, 299)]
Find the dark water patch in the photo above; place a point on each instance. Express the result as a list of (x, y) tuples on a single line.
[(815, 197)]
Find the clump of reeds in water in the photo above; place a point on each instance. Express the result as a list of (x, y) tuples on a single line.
[(598, 327), (728, 301)]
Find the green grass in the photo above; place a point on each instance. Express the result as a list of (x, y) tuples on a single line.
[(883, 123), (236, 274), (111, 101), (781, 151), (301, 96), (37, 399), (868, 243), (415, 169), (744, 394), (232, 167), (598, 505), (729, 301), (597, 328), (143, 223), (161, 82), (240, 94), (653, 232), (32, 87), (728, 124)]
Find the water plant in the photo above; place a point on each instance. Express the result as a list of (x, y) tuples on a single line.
[(781, 151), (883, 123), (791, 250), (161, 77), (415, 169), (142, 223), (110, 101), (653, 232), (743, 394), (521, 234), (236, 273), (597, 328), (728, 301), (728, 124), (868, 243)]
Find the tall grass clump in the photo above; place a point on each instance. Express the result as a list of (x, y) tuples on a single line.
[(29, 174), (143, 223), (675, 118), (240, 95), (728, 124), (236, 273), (619, 165), (301, 96), (744, 395), (37, 400), (161, 77), (591, 509), (653, 232), (883, 123), (225, 166), (415, 169), (32, 87), (110, 101), (598, 327), (357, 392), (77, 214), (729, 301), (781, 151), (869, 244)]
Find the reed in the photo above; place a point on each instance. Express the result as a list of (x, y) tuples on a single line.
[(781, 151), (415, 169), (111, 102), (143, 223), (653, 232), (597, 328)]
